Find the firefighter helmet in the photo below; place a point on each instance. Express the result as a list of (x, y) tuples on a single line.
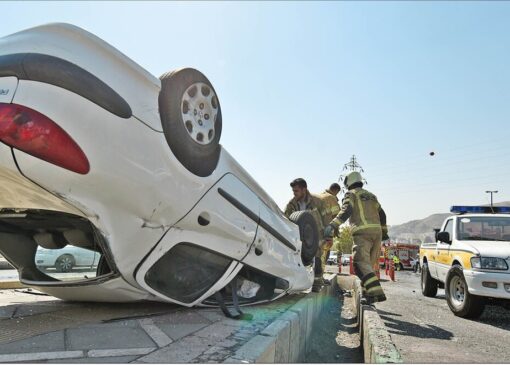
[(352, 178)]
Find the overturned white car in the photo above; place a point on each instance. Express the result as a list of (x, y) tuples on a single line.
[(99, 154)]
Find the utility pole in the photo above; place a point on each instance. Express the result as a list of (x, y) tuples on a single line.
[(491, 192)]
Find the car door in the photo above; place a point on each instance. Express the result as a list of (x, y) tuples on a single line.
[(203, 251), (442, 259)]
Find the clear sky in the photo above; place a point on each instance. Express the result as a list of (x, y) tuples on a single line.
[(305, 85)]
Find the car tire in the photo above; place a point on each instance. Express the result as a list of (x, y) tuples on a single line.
[(460, 301), (65, 263), (192, 131), (309, 235), (428, 284)]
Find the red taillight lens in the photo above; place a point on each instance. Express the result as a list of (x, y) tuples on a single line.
[(34, 133)]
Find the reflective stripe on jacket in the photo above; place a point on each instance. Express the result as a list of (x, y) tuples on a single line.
[(362, 209)]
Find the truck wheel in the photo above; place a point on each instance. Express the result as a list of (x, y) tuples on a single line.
[(458, 298), (428, 284), (191, 119), (309, 234)]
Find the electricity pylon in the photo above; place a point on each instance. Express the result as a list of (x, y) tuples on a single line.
[(350, 166)]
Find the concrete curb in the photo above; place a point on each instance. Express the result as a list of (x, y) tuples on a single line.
[(378, 348), (287, 339)]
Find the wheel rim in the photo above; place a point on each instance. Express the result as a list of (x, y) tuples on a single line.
[(457, 291), (199, 110), (66, 263)]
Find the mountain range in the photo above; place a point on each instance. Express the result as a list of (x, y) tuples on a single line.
[(422, 230)]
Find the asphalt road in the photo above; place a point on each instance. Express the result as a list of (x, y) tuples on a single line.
[(426, 331)]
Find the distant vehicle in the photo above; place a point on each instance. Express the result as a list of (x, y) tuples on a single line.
[(404, 251), (415, 264), (67, 258), (470, 259), (346, 259), (333, 258)]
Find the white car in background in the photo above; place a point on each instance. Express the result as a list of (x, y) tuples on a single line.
[(333, 258), (99, 154), (66, 259)]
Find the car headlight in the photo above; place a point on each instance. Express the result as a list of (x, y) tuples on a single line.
[(492, 263)]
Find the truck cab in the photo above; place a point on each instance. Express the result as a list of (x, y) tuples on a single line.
[(470, 259)]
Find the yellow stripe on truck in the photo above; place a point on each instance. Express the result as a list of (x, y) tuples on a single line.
[(446, 257)]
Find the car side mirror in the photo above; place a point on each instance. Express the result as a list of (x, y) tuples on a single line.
[(444, 237)]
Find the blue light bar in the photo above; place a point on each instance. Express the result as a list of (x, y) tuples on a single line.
[(461, 209)]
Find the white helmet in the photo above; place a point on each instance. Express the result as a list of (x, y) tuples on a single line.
[(352, 178)]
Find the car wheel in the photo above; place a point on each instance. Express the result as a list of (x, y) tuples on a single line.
[(428, 284), (460, 301), (65, 263), (309, 234), (191, 119)]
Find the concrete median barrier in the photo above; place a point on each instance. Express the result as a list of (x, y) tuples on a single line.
[(279, 332), (288, 338), (378, 348)]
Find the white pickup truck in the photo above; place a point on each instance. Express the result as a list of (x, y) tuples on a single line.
[(470, 259)]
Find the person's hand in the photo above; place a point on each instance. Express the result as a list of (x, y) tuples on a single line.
[(328, 231)]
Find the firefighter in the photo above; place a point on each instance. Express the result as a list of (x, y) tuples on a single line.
[(369, 227), (304, 200), (332, 208), (396, 262)]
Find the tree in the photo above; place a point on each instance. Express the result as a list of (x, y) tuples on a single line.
[(343, 242)]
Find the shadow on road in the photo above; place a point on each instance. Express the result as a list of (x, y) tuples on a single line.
[(336, 336), (398, 327), (381, 312), (496, 314)]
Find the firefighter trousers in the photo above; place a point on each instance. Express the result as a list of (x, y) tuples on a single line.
[(366, 250), (365, 253)]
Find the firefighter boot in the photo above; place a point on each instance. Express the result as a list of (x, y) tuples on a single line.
[(373, 292), (318, 282)]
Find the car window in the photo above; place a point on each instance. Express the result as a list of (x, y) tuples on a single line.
[(67, 263), (486, 228)]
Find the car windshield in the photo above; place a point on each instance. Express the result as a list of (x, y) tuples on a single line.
[(487, 228)]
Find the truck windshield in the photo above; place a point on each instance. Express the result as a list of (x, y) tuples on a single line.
[(487, 228)]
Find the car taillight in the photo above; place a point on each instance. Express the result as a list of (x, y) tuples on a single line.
[(34, 133)]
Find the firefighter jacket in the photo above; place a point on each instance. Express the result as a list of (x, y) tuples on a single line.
[(315, 205), (330, 204), (363, 211)]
